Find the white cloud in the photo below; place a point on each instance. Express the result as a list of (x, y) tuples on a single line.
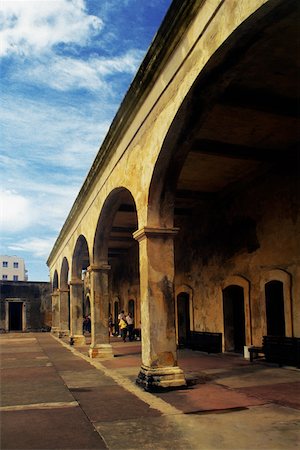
[(34, 26), (16, 212), (55, 135), (67, 73), (39, 247)]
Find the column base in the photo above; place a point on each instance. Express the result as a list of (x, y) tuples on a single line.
[(101, 351), (77, 339), (152, 379), (63, 333), (55, 331)]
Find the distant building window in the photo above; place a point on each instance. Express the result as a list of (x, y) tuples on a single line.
[(4, 277), (15, 277), (4, 264), (16, 265)]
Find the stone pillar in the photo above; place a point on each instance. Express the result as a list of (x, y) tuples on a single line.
[(100, 344), (55, 312), (64, 312), (76, 313), (159, 352)]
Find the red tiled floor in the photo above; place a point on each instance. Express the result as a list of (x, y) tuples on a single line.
[(208, 397), (286, 394)]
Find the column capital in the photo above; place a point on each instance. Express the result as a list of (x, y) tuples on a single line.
[(155, 232), (76, 282), (103, 267)]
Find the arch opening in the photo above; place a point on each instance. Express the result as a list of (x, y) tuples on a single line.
[(115, 245), (234, 319), (183, 319), (275, 308), (228, 169)]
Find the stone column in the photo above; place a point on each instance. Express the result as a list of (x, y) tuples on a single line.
[(100, 345), (159, 352), (76, 313), (55, 312), (64, 312)]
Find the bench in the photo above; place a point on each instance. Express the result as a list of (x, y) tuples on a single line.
[(278, 349), (205, 341), (255, 352)]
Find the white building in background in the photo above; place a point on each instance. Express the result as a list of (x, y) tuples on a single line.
[(12, 268)]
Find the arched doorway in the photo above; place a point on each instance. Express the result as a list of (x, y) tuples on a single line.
[(131, 307), (116, 258), (64, 298), (275, 308), (55, 281), (234, 319), (80, 263), (183, 318)]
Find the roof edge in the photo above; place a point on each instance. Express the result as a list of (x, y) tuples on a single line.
[(173, 26)]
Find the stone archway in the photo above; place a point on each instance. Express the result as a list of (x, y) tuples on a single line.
[(184, 308), (64, 298), (115, 270), (283, 282), (55, 303), (221, 143), (80, 263)]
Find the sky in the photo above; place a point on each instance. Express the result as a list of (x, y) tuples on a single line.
[(65, 68)]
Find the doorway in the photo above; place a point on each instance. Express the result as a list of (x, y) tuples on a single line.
[(183, 318), (275, 308), (15, 316), (234, 319), (116, 313), (131, 307)]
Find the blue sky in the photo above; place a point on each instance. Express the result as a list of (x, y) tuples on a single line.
[(65, 67)]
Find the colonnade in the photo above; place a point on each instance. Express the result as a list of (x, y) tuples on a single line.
[(159, 350)]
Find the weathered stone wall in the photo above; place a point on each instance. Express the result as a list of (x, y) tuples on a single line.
[(246, 235), (37, 304)]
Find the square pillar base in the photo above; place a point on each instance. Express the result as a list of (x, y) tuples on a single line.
[(55, 331), (153, 379), (101, 351), (78, 339), (63, 333)]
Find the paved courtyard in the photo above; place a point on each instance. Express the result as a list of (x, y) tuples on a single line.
[(54, 397)]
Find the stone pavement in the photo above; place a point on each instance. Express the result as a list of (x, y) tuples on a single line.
[(54, 397)]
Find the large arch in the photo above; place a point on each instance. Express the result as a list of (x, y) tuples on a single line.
[(55, 303), (55, 281), (285, 278), (115, 269), (226, 86), (80, 264), (64, 298), (80, 258), (205, 141), (229, 162)]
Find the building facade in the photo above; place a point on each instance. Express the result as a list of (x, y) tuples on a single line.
[(25, 306), (12, 268), (189, 216)]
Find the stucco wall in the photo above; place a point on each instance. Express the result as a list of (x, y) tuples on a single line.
[(37, 304), (246, 235)]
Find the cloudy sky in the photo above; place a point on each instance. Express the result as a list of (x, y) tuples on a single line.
[(65, 67)]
